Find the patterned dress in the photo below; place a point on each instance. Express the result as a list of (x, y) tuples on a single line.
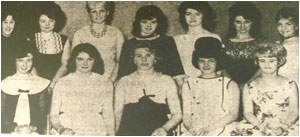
[(270, 108), (240, 60)]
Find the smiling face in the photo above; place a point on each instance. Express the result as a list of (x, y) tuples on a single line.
[(268, 65), (148, 27), (193, 17), (242, 25), (24, 64), (84, 63), (286, 27), (8, 25), (207, 65), (98, 12), (46, 24), (144, 59)]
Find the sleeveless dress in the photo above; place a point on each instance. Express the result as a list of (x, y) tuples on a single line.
[(208, 105), (81, 101), (270, 108), (23, 102), (146, 106)]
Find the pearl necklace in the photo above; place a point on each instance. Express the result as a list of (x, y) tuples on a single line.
[(98, 34)]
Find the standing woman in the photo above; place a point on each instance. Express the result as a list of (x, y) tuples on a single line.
[(151, 25), (82, 102), (287, 20), (145, 97), (197, 19), (242, 39), (107, 39), (52, 49)]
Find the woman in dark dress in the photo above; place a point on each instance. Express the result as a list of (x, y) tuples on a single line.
[(22, 97), (52, 50), (150, 25), (242, 39)]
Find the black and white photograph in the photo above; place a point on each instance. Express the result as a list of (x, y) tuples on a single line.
[(150, 68)]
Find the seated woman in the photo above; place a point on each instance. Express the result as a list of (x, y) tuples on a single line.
[(22, 97), (270, 100), (209, 111), (144, 98), (82, 100)]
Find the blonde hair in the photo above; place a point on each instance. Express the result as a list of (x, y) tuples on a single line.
[(271, 49)]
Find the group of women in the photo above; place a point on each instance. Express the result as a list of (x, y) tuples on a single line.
[(102, 84)]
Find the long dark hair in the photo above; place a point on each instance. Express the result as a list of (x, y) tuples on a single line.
[(249, 11), (93, 53)]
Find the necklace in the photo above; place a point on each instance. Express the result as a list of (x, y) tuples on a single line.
[(98, 34)]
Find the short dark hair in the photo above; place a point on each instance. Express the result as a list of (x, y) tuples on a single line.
[(209, 15), (208, 47), (286, 13), (22, 51), (147, 13), (248, 11), (52, 11), (108, 5), (93, 53)]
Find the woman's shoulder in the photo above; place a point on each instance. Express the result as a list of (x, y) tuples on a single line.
[(82, 29)]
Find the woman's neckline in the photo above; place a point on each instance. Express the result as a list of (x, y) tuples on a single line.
[(241, 40), (219, 76), (291, 40), (150, 37)]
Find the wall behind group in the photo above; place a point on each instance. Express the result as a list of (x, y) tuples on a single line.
[(124, 14)]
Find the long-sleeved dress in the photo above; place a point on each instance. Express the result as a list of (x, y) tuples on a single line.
[(78, 103), (168, 64)]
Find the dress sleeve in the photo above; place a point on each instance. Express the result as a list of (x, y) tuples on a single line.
[(56, 102), (120, 42), (175, 66), (76, 39)]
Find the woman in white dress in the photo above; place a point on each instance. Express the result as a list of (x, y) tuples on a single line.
[(197, 19), (107, 39), (287, 20), (82, 100), (210, 100), (145, 97)]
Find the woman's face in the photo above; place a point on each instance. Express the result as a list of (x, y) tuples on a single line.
[(98, 13), (242, 25), (24, 65), (286, 27), (8, 25), (84, 63), (46, 24), (268, 65), (207, 65), (144, 59), (148, 27), (193, 17)]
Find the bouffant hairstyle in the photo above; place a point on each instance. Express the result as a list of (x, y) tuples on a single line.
[(290, 14), (22, 51), (248, 11), (93, 53), (271, 49), (148, 13), (8, 8), (52, 11), (208, 47), (209, 15), (108, 5), (147, 45)]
